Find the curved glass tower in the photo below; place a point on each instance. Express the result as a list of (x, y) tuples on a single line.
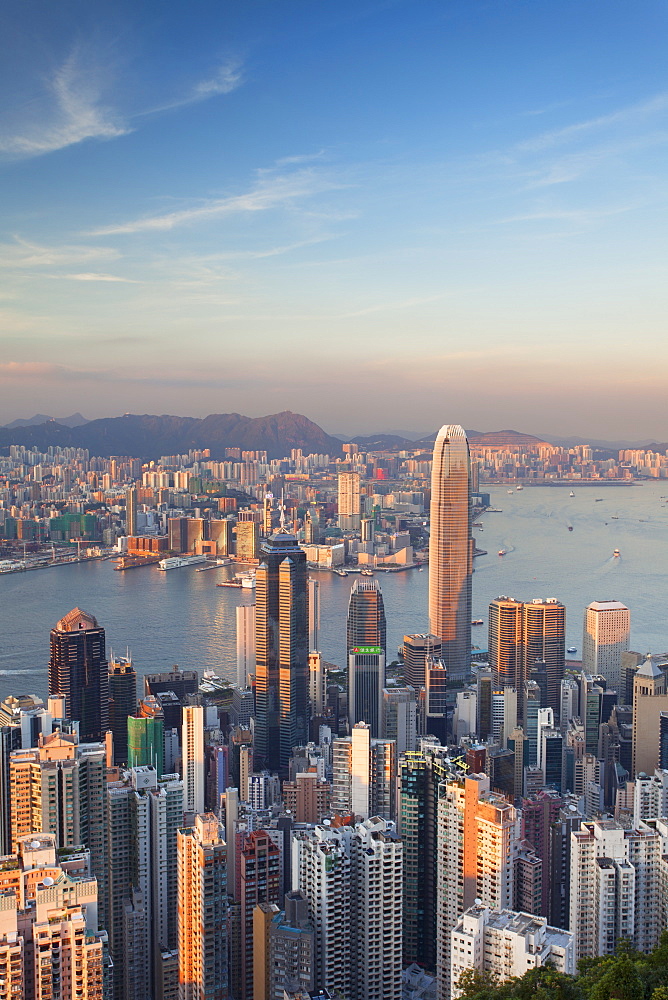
[(451, 549)]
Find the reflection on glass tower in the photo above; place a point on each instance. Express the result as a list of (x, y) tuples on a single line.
[(281, 651), (451, 549), (366, 636)]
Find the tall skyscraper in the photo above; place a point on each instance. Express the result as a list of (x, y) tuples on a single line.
[(451, 549), (202, 910), (650, 699), (245, 644), (281, 651), (607, 629), (364, 774), (349, 501), (313, 615), (192, 749), (521, 633), (122, 703), (260, 882), (131, 510), (78, 670), (366, 636)]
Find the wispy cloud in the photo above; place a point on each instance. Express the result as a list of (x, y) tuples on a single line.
[(23, 254), (270, 191), (390, 306), (90, 276), (72, 112), (226, 78), (635, 113)]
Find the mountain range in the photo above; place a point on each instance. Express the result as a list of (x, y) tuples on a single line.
[(149, 436)]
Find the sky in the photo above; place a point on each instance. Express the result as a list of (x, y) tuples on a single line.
[(382, 214)]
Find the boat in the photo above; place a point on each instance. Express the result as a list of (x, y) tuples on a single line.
[(341, 572), (248, 582), (510, 492), (571, 494), (598, 500), (502, 552), (519, 487), (614, 517), (572, 649), (366, 572), (616, 554), (570, 527), (477, 621), (176, 562)]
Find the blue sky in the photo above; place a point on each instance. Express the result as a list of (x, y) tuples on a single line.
[(380, 214)]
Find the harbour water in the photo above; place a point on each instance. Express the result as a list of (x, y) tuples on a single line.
[(181, 617)]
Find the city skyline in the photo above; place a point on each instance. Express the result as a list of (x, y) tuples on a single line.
[(395, 199)]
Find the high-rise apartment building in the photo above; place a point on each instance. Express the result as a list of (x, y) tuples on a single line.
[(352, 879), (143, 814), (364, 775), (50, 945), (477, 834), (615, 887), (349, 501), (281, 651), (59, 787), (607, 630), (313, 615), (78, 670), (522, 633), (202, 910), (399, 722), (260, 882), (451, 549), (192, 749), (122, 703)]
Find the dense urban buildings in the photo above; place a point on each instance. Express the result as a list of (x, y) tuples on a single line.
[(284, 826)]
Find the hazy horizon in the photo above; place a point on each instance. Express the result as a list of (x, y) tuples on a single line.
[(381, 213)]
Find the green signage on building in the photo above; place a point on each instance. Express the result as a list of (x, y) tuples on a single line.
[(368, 650)]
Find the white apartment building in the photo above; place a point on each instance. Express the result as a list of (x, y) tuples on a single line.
[(607, 629), (615, 887), (507, 943), (364, 772), (192, 744), (352, 879)]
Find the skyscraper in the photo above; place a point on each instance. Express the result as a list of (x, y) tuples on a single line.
[(523, 632), (78, 670), (366, 637), (192, 749), (131, 510), (245, 644), (281, 651), (451, 549), (122, 703), (202, 910), (607, 628), (349, 501)]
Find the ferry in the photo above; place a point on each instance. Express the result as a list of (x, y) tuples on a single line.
[(247, 582), (341, 572), (502, 552), (571, 494), (175, 562), (477, 621), (366, 572), (616, 554), (510, 492), (519, 487), (572, 649)]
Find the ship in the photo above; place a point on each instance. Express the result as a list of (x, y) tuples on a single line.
[(572, 649), (502, 552), (176, 562), (616, 554), (366, 572), (477, 621), (246, 582), (570, 527), (519, 487)]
